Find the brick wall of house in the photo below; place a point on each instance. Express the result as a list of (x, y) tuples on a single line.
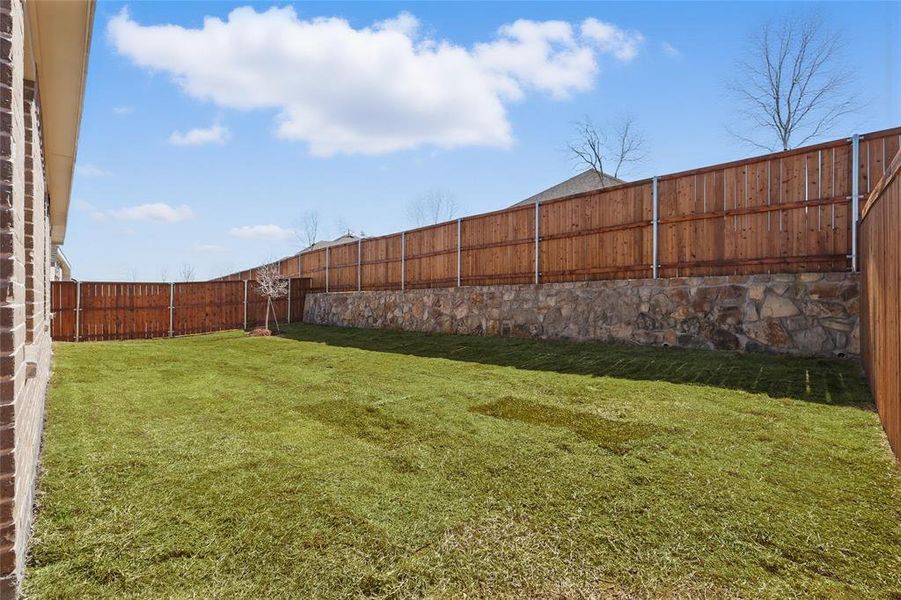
[(12, 273), (25, 349)]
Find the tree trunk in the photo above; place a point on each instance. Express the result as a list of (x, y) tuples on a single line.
[(275, 318), (268, 304)]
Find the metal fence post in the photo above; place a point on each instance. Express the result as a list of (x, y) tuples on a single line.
[(537, 238), (459, 254), (245, 304), (855, 196), (327, 256), (654, 223), (403, 262), (77, 310), (359, 264), (171, 307)]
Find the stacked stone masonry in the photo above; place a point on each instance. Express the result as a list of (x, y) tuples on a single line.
[(808, 314)]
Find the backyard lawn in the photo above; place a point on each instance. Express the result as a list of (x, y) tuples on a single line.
[(339, 463)]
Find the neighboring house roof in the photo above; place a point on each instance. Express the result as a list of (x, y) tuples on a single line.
[(347, 237), (587, 181), (58, 39)]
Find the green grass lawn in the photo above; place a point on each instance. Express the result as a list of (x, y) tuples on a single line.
[(338, 463)]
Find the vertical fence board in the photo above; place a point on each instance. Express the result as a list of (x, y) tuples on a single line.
[(880, 319)]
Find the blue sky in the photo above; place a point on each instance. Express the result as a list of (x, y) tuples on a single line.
[(205, 145)]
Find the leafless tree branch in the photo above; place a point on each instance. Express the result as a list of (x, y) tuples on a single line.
[(307, 231), (791, 87), (617, 146), (433, 207), (186, 272)]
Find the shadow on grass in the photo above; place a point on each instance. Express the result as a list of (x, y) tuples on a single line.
[(822, 380)]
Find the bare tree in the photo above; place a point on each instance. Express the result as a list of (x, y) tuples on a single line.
[(308, 231), (432, 207), (791, 87), (342, 227), (186, 272), (164, 274), (272, 285), (607, 150)]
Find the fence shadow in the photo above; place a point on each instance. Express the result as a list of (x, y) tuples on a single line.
[(824, 380)]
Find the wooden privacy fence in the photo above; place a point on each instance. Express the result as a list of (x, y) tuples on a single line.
[(785, 212), (880, 315), (100, 310)]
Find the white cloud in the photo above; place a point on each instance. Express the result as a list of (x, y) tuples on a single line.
[(542, 55), (123, 110), (670, 50), (158, 211), (215, 134), (404, 23), (209, 248), (376, 89), (273, 232), (621, 43), (85, 206), (87, 170)]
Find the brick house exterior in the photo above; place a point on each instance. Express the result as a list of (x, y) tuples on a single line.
[(43, 60)]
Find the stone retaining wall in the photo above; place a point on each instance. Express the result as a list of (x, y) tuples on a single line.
[(812, 314)]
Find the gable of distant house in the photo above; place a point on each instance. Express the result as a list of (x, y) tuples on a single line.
[(587, 181), (344, 239)]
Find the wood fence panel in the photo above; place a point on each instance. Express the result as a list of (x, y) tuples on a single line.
[(63, 303), (342, 269), (381, 263), (299, 287), (119, 311), (880, 323), (207, 306), (769, 214), (786, 211), (312, 265), (431, 256), (498, 248), (289, 267), (602, 235)]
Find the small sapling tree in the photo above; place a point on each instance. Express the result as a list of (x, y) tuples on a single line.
[(272, 285)]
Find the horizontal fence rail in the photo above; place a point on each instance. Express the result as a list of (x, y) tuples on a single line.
[(880, 314), (785, 212), (106, 310)]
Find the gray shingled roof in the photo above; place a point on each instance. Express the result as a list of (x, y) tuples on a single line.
[(583, 182), (347, 237)]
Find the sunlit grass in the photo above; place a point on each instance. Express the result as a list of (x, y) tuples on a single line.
[(346, 463)]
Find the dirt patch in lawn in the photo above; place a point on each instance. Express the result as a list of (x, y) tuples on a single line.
[(610, 434)]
